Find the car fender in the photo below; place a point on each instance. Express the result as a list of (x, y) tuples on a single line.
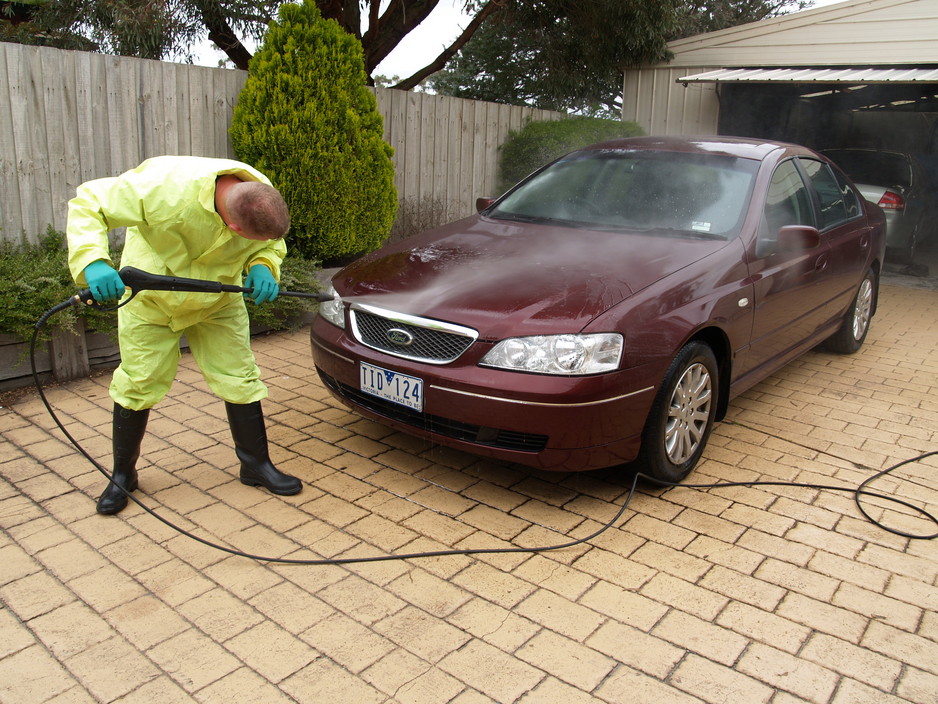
[(713, 303)]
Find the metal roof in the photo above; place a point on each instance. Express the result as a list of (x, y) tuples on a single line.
[(815, 75)]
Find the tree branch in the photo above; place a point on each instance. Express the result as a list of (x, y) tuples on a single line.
[(220, 32), (440, 61), (398, 20), (344, 12), (374, 7)]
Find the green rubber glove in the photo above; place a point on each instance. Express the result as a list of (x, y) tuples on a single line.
[(262, 283), (104, 281)]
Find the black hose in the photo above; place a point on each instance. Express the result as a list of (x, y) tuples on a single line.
[(859, 491)]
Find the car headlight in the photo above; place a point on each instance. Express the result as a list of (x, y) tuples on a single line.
[(334, 310), (558, 354)]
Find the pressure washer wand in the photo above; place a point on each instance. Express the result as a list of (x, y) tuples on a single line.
[(138, 280)]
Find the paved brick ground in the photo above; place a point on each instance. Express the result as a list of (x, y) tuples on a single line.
[(742, 595)]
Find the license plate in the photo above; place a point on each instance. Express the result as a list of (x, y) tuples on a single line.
[(391, 386)]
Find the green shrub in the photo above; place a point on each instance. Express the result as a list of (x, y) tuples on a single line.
[(539, 143), (36, 278), (306, 119)]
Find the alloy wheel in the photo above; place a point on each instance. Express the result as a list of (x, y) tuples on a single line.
[(688, 413), (862, 308)]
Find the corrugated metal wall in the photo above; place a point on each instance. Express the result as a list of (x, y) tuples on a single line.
[(856, 33), (652, 98)]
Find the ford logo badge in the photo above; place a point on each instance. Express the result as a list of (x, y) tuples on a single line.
[(399, 337)]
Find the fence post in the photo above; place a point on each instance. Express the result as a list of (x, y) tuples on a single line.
[(69, 353)]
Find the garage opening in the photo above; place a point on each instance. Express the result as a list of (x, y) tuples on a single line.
[(893, 111)]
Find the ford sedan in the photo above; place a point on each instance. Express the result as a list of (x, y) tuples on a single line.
[(607, 309)]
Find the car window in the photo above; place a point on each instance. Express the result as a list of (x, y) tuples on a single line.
[(832, 196), (662, 193), (787, 203), (851, 199), (878, 168)]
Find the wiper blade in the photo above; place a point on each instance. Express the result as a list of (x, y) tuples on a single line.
[(689, 234), (543, 220), (514, 217)]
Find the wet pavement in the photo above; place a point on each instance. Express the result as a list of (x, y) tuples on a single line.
[(743, 594)]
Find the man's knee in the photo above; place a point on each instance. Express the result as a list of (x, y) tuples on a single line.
[(135, 395)]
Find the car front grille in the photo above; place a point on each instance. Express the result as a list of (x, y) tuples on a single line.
[(479, 435), (410, 337)]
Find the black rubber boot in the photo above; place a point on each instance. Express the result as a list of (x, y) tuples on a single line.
[(250, 439), (127, 432)]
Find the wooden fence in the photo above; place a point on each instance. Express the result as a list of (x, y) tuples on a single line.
[(69, 116)]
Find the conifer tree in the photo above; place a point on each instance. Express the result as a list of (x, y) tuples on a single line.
[(306, 118)]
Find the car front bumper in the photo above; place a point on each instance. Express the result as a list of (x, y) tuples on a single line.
[(548, 422)]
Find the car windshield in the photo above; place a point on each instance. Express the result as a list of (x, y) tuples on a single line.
[(874, 168), (662, 193)]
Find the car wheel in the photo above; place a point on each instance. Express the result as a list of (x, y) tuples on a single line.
[(682, 414), (856, 323)]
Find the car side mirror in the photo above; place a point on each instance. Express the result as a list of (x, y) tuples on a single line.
[(483, 203), (794, 238)]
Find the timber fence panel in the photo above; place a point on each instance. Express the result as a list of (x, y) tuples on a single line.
[(439, 150), (180, 119), (394, 112), (411, 146), (476, 171), (194, 109), (466, 137), (453, 153), (56, 100), (11, 210), (425, 137), (29, 147), (151, 110), (69, 116), (80, 140), (100, 164), (122, 94), (494, 136)]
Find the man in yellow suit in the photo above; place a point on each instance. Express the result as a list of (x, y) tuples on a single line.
[(191, 217)]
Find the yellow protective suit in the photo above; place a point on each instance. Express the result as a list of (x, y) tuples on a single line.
[(167, 205)]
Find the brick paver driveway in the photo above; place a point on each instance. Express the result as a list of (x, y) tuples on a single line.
[(746, 595)]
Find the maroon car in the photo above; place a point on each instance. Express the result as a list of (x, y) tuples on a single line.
[(608, 307)]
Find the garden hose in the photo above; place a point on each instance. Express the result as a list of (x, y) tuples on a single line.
[(143, 280)]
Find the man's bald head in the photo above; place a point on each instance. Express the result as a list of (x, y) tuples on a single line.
[(258, 210)]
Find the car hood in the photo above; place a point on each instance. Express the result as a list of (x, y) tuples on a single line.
[(508, 279)]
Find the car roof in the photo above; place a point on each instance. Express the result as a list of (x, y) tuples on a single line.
[(741, 147), (865, 150)]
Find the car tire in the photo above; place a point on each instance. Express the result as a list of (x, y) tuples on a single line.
[(856, 323), (682, 415)]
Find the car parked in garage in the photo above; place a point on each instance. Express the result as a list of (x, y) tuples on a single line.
[(608, 307), (898, 184)]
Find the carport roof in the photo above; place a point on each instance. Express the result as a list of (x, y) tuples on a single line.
[(850, 75)]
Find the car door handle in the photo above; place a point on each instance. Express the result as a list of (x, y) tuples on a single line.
[(821, 263)]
